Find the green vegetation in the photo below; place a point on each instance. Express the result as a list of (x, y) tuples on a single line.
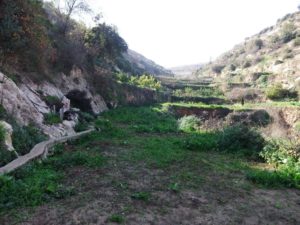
[(52, 101), (241, 139), (52, 118), (146, 81), (200, 92), (37, 183), (24, 138), (277, 92), (143, 196), (149, 138), (189, 123), (116, 218)]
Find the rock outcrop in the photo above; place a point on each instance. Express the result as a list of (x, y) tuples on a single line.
[(25, 102), (7, 136)]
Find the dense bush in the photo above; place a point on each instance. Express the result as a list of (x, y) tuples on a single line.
[(218, 68), (288, 32), (241, 139), (277, 92), (25, 137), (189, 123), (285, 156), (23, 32)]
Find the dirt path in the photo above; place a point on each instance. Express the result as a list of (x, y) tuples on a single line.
[(215, 199)]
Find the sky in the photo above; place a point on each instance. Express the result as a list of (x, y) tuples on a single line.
[(183, 32)]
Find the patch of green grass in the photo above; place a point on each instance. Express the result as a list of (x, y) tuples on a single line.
[(197, 105), (155, 151), (31, 187), (37, 183), (142, 196), (143, 119), (116, 218), (52, 118), (272, 179), (175, 187), (77, 158)]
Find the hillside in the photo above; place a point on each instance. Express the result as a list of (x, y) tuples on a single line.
[(269, 57), (185, 71), (143, 65)]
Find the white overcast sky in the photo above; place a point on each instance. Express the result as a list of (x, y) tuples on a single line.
[(180, 32)]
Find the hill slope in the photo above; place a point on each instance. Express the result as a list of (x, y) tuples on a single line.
[(142, 64), (271, 56)]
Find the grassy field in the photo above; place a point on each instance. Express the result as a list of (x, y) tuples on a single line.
[(140, 169)]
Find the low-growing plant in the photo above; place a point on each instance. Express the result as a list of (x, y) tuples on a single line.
[(277, 92), (189, 123), (122, 77), (116, 218), (272, 178), (241, 139), (200, 142), (25, 137), (52, 118), (143, 196), (52, 101)]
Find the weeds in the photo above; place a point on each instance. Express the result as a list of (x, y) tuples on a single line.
[(142, 196), (52, 118)]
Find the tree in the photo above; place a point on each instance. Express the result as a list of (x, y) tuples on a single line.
[(69, 8), (23, 31), (103, 41)]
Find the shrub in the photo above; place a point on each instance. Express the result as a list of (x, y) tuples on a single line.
[(52, 101), (146, 81), (232, 67), (189, 123), (241, 139), (288, 32), (25, 137), (280, 152), (259, 43), (218, 68), (122, 77), (246, 64), (285, 156), (277, 92), (297, 42), (52, 118)]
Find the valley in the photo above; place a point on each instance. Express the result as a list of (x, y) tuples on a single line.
[(97, 133)]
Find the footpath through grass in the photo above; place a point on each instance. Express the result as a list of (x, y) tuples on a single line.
[(139, 156)]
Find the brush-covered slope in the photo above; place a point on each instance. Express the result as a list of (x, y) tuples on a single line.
[(271, 56), (141, 64)]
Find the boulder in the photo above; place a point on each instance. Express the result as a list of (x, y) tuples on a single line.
[(7, 136)]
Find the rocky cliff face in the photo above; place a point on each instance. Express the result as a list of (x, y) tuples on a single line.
[(27, 101)]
